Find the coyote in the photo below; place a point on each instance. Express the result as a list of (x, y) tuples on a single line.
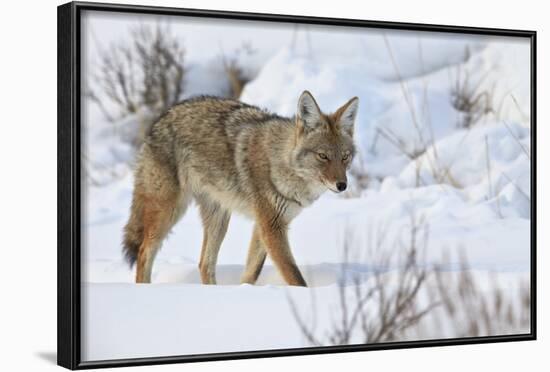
[(229, 156)]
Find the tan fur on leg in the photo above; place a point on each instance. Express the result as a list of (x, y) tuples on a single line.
[(156, 221), (215, 221), (273, 233), (158, 217), (256, 258)]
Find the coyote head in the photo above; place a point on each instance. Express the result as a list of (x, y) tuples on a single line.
[(324, 143)]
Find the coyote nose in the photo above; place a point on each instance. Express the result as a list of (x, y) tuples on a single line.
[(341, 186)]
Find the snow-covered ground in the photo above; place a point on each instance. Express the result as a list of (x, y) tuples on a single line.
[(470, 185)]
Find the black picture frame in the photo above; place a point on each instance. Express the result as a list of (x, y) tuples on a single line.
[(69, 176)]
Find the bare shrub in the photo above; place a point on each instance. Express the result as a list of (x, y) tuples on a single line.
[(143, 77), (423, 128), (235, 72), (383, 308), (416, 301), (470, 99), (472, 311)]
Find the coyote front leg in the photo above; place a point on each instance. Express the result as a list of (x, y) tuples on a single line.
[(273, 233)]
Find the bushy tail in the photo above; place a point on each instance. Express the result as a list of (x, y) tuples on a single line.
[(133, 233)]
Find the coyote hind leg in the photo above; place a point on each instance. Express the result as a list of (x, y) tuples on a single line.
[(157, 221), (160, 199), (159, 215), (215, 220), (256, 258)]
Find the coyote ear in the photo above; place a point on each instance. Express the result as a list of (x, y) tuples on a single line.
[(347, 113), (309, 113)]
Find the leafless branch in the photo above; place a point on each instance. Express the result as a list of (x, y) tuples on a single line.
[(234, 71), (379, 310), (144, 77)]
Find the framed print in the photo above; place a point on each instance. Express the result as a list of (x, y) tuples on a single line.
[(237, 185)]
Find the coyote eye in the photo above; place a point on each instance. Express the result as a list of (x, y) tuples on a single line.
[(345, 157), (322, 156)]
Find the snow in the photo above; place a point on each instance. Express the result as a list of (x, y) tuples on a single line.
[(480, 208), (507, 177)]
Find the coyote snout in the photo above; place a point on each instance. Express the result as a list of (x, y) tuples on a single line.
[(229, 156), (337, 181)]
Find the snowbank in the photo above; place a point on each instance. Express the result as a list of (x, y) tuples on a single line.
[(480, 207)]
